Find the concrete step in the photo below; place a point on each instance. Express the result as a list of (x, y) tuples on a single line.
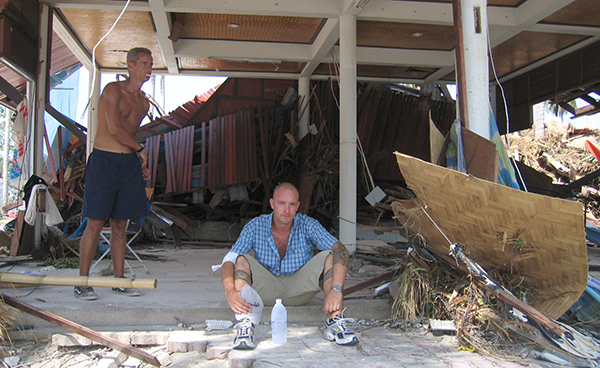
[(142, 316)]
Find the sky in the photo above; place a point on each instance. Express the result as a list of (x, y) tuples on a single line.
[(178, 89)]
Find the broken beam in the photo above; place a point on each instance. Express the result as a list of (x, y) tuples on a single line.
[(374, 281), (81, 330)]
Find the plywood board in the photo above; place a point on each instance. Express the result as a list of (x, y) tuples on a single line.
[(481, 157), (477, 213)]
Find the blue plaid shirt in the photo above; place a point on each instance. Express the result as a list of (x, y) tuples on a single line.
[(306, 234)]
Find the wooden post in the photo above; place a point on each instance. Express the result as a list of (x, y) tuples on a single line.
[(461, 84)]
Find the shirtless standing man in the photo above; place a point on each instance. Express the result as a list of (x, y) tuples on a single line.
[(116, 169)]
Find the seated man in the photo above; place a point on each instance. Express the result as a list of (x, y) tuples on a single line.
[(284, 267)]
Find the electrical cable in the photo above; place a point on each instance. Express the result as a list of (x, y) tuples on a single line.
[(511, 156), (94, 73)]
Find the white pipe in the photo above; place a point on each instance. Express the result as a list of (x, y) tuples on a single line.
[(475, 31), (304, 108), (348, 131)]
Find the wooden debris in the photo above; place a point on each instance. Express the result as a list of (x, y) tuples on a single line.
[(374, 281), (15, 258), (81, 330)]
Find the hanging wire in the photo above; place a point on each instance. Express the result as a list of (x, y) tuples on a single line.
[(94, 71), (512, 157)]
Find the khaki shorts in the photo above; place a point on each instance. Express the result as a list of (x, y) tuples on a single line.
[(296, 289)]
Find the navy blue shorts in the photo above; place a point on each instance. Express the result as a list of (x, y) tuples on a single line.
[(114, 187)]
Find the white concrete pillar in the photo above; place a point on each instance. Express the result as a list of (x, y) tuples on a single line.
[(348, 131), (92, 116), (304, 108), (475, 43)]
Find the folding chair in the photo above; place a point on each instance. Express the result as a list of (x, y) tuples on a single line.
[(133, 230)]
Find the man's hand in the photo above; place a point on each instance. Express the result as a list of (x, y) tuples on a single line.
[(236, 303), (334, 302), (145, 173), (143, 158)]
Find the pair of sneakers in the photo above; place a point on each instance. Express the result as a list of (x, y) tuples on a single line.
[(88, 293), (335, 330)]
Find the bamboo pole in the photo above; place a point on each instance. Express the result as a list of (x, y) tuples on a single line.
[(24, 278)]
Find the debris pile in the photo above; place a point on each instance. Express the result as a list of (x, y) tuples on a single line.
[(559, 152)]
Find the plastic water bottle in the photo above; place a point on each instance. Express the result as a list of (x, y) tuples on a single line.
[(279, 323)]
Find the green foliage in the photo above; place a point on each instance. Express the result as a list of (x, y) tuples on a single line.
[(61, 263)]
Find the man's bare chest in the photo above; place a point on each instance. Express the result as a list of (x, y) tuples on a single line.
[(133, 108), (281, 242)]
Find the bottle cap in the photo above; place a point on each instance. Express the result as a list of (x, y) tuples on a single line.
[(277, 300)]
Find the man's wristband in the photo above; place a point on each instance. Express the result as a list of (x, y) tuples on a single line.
[(141, 149)]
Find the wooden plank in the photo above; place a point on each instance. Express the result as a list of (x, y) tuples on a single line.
[(16, 236), (203, 157), (211, 153), (15, 258), (190, 157), (264, 139), (168, 163), (248, 158), (81, 330), (253, 142), (233, 150), (172, 163), (177, 218), (374, 281), (223, 146), (226, 151), (153, 147), (187, 152), (72, 184), (248, 142), (240, 144), (61, 171), (176, 236), (67, 123), (51, 166), (12, 206), (178, 154)]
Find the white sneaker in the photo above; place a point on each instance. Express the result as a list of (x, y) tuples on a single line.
[(244, 339), (336, 330)]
